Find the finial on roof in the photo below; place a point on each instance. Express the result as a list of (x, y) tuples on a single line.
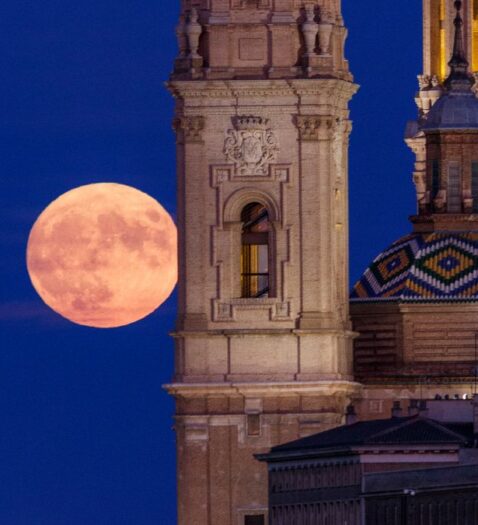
[(459, 78)]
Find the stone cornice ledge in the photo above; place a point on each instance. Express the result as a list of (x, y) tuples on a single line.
[(328, 388), (332, 87), (278, 332)]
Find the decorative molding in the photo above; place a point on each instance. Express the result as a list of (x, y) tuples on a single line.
[(220, 174), (308, 128), (190, 127), (226, 310), (282, 311), (196, 432), (223, 311), (251, 146), (313, 128), (235, 202), (244, 4), (330, 91), (281, 172)]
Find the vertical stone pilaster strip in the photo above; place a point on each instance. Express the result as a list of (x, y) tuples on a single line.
[(191, 161), (327, 250), (308, 127), (427, 38), (192, 481)]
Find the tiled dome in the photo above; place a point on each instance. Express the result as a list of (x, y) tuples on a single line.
[(428, 267)]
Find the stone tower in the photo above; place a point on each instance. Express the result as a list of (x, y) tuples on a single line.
[(263, 337), (438, 37), (416, 305)]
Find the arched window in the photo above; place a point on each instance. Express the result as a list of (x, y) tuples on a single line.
[(255, 277)]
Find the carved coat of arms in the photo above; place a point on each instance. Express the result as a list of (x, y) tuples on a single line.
[(252, 146)]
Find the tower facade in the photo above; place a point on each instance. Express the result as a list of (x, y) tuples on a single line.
[(263, 337), (438, 38), (416, 305)]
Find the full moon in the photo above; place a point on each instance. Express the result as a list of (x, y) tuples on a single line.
[(103, 255)]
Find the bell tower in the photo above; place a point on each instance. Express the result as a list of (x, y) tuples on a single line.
[(438, 40), (263, 336)]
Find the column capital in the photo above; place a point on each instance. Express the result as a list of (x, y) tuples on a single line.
[(313, 128), (189, 129)]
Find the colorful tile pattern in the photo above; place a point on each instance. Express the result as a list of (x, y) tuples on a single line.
[(423, 267)]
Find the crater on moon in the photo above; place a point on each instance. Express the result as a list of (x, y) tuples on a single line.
[(103, 255)]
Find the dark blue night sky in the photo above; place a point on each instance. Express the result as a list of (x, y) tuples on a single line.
[(85, 434)]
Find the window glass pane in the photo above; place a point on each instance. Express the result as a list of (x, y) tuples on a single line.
[(255, 251), (435, 178), (255, 218), (263, 258), (474, 185), (454, 188)]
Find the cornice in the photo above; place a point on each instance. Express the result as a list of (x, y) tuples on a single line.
[(329, 388), (329, 88), (276, 332)]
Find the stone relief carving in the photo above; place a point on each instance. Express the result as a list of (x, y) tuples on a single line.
[(308, 127), (313, 127), (191, 127), (252, 146)]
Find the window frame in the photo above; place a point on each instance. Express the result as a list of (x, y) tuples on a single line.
[(250, 239)]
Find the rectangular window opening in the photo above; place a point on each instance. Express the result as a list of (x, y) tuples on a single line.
[(256, 519), (435, 178), (255, 270), (474, 185), (454, 194)]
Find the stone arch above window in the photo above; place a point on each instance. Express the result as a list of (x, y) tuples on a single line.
[(236, 203)]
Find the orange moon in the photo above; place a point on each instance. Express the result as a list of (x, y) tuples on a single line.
[(103, 255)]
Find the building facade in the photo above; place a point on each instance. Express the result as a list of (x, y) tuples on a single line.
[(416, 305), (263, 337), (404, 470)]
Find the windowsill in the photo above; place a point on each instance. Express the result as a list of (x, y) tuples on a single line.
[(245, 301)]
